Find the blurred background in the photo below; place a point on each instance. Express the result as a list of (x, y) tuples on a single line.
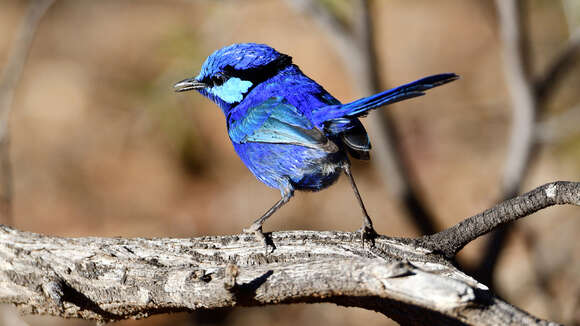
[(100, 145)]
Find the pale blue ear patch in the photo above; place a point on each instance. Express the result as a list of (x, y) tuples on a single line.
[(232, 90)]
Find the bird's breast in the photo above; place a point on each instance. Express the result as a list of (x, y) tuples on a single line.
[(307, 168)]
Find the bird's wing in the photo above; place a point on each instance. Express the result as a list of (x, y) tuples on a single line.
[(276, 121)]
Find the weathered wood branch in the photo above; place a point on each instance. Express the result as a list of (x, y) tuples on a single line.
[(413, 281), (111, 279)]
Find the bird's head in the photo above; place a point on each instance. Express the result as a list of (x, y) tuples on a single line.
[(230, 73)]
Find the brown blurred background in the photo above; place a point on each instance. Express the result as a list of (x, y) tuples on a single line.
[(102, 146)]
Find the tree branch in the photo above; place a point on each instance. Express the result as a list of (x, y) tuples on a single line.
[(450, 241), (413, 281)]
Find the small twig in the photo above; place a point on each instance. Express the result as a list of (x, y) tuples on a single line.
[(453, 239), (8, 81)]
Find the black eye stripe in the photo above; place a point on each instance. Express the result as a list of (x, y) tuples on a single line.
[(261, 73)]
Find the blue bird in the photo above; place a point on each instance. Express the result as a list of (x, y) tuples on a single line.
[(290, 132)]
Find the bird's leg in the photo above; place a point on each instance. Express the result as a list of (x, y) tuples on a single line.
[(367, 229), (256, 227)]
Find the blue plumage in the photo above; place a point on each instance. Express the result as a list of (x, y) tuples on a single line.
[(290, 132)]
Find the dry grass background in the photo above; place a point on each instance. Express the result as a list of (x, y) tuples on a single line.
[(102, 146)]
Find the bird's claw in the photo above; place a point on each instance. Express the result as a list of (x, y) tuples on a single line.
[(262, 237), (369, 234)]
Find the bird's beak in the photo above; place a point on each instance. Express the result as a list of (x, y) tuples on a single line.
[(188, 84)]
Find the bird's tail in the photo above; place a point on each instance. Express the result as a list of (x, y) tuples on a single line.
[(362, 106)]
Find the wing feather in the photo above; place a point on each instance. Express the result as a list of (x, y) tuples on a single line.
[(275, 121)]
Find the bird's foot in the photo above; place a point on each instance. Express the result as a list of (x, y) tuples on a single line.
[(266, 239), (368, 234)]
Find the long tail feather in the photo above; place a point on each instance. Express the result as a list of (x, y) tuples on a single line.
[(362, 106)]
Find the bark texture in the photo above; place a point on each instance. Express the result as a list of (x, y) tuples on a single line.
[(412, 281)]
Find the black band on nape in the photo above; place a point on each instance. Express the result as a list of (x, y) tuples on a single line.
[(261, 73)]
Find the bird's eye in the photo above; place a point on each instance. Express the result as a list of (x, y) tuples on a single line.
[(218, 79)]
